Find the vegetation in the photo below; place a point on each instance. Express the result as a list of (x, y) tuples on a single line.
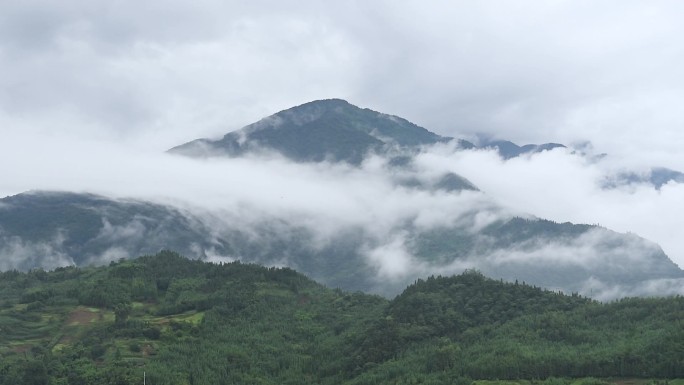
[(189, 322), (331, 130), (49, 229), (85, 227)]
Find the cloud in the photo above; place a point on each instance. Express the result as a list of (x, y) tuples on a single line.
[(392, 259), (559, 72), (596, 249), (303, 209), (109, 255), (596, 263), (564, 186), (115, 234), (162, 74), (125, 74), (649, 288), (326, 197), (19, 254), (91, 96)]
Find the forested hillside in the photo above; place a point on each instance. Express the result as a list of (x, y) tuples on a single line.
[(189, 322)]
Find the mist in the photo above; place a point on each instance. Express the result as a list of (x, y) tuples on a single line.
[(92, 96), (329, 199), (566, 186)]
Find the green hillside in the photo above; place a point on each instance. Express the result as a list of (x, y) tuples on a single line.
[(188, 322)]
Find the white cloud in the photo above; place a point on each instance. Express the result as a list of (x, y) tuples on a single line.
[(109, 233), (596, 249), (90, 96), (566, 187), (161, 74), (19, 254), (650, 288), (392, 259), (330, 199)]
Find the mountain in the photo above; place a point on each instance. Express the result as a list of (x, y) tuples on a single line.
[(509, 150), (54, 229), (336, 131), (587, 259), (176, 321), (656, 176), (49, 229), (447, 225), (332, 130), (660, 176)]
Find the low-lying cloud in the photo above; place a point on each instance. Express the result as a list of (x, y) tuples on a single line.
[(221, 195), (92, 96), (19, 254), (562, 185), (649, 288)]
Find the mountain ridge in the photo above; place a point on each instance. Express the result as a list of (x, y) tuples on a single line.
[(508, 150), (452, 225), (177, 321), (335, 130), (57, 229), (330, 129)]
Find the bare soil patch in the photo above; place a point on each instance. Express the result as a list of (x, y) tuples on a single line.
[(81, 316)]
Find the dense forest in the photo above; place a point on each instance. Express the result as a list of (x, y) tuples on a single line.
[(189, 322)]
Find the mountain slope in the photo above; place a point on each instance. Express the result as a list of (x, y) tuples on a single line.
[(53, 229), (58, 229), (656, 176), (562, 256), (422, 222), (509, 150), (336, 131), (188, 322), (321, 130)]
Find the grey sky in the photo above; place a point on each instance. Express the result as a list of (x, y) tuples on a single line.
[(609, 72), (128, 77)]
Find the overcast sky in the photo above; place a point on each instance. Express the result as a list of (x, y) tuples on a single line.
[(142, 77)]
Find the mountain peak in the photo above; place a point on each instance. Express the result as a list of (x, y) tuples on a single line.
[(322, 105), (303, 114), (329, 129), (332, 102)]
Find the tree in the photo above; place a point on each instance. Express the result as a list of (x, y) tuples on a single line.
[(35, 373), (121, 313)]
